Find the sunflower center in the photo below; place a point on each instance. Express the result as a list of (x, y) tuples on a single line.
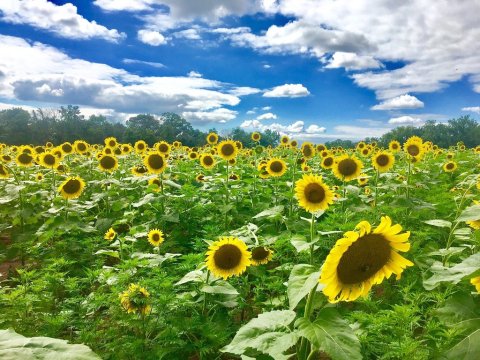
[(25, 158), (307, 151), (450, 166), (413, 150), (382, 160), (112, 143), (141, 169), (67, 148), (3, 170), (314, 193), (260, 253), (227, 257), (211, 138), (394, 146), (71, 186), (140, 146), (107, 162), (49, 159), (347, 167), (163, 147), (155, 161), (155, 237), (207, 160), (276, 166), (328, 161), (363, 259), (228, 149)]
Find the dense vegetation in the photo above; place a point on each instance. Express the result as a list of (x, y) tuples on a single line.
[(124, 253)]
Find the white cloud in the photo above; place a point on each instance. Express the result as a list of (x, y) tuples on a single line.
[(475, 109), (352, 61), (266, 108), (243, 91), (141, 62), (124, 5), (287, 90), (220, 115), (400, 102), (405, 120), (194, 74), (315, 129), (56, 78), (229, 31), (190, 34), (267, 116), (153, 38), (251, 112), (62, 20), (296, 129), (267, 66)]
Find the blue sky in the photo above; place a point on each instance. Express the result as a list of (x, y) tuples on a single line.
[(313, 69)]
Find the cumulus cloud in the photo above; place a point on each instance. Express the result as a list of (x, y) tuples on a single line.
[(267, 116), (190, 34), (266, 108), (296, 129), (315, 129), (244, 90), (153, 38), (62, 20), (124, 5), (352, 61), (475, 109), (194, 74), (220, 115), (400, 102), (287, 90), (405, 120)]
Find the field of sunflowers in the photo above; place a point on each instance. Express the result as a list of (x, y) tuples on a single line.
[(222, 252)]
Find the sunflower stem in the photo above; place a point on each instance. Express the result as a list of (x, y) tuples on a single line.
[(120, 248), (292, 191), (205, 294), (163, 193), (302, 352), (227, 198), (408, 178), (66, 209), (312, 234), (376, 188)]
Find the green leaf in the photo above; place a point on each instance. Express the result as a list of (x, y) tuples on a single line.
[(302, 279), (457, 308), (146, 199), (193, 276), (270, 213), (111, 253), (14, 346), (470, 213), (332, 334), (466, 349), (451, 274), (268, 333), (301, 243), (439, 223), (221, 287)]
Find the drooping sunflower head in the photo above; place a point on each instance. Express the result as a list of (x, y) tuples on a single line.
[(200, 178), (383, 161), (364, 258), (4, 174), (227, 149), (308, 150), (24, 159), (450, 166), (155, 162), (362, 179), (276, 167), (207, 161), (155, 237), (394, 146), (414, 147), (234, 177), (212, 138), (239, 145), (139, 170), (72, 187), (140, 146), (256, 136), (347, 167), (261, 255), (312, 193), (136, 299), (110, 235), (228, 256), (232, 161), (49, 160), (263, 172), (108, 163)]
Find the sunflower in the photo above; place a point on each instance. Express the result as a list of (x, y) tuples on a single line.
[(414, 147), (49, 160), (4, 174), (135, 299), (328, 161), (475, 224), (61, 168), (155, 237), (24, 159), (212, 138), (383, 161), (362, 179), (256, 136), (261, 255), (108, 163), (110, 142), (276, 167), (163, 147), (394, 146), (476, 282), (306, 168), (6, 158), (294, 143), (364, 258), (227, 149), (72, 188), (80, 146), (39, 177), (139, 170), (367, 191), (312, 193), (126, 149), (200, 178), (360, 145), (140, 146), (234, 177), (228, 256), (155, 183), (66, 148), (262, 168), (320, 148), (450, 166), (110, 235), (347, 167), (192, 155), (232, 161), (308, 150), (239, 145), (155, 162), (284, 140), (366, 151)]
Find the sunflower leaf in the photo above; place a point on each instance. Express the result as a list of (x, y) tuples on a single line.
[(439, 223), (470, 213), (466, 349), (270, 213), (332, 334), (16, 346), (267, 333), (302, 279)]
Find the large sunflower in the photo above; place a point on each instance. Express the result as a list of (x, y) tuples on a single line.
[(212, 138), (414, 147), (155, 162), (155, 237), (308, 150), (80, 146), (312, 193), (24, 159), (347, 167), (135, 299), (227, 149), (276, 167), (108, 163), (261, 255), (227, 257), (49, 160), (383, 161), (163, 147), (72, 188), (364, 258), (207, 161)]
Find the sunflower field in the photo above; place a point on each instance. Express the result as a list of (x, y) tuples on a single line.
[(161, 251)]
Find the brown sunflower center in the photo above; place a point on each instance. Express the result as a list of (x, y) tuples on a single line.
[(67, 148), (212, 138), (347, 167), (3, 170), (276, 166), (307, 151), (141, 169), (140, 146), (49, 159), (107, 162), (81, 147), (328, 161), (314, 193), (284, 140), (163, 148), (382, 160), (227, 149), (155, 237), (450, 166), (72, 186), (365, 151), (25, 158), (156, 182), (260, 253), (227, 257), (155, 161), (112, 143), (208, 160), (394, 146), (413, 149), (363, 259)]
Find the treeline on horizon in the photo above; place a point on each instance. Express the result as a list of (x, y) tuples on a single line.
[(18, 127)]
